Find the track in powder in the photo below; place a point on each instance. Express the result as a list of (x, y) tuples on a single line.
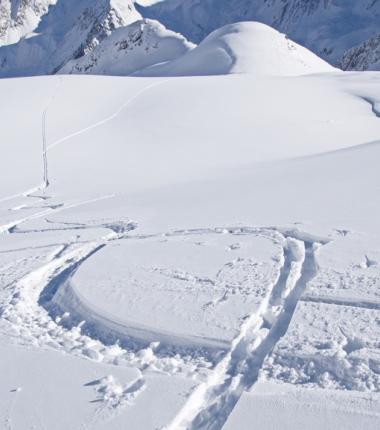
[(210, 405)]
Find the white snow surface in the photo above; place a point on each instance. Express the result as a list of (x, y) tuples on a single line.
[(245, 47), (190, 252)]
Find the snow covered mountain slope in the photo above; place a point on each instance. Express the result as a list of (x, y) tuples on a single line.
[(187, 245), (363, 57), (246, 47), (18, 18), (327, 27), (130, 49), (70, 30)]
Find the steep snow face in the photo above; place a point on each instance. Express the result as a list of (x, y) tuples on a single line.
[(366, 56), (327, 27), (246, 47), (70, 30), (19, 17), (131, 48)]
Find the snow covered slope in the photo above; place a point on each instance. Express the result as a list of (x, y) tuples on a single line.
[(18, 18), (327, 27), (130, 49), (70, 30), (246, 47), (185, 246), (179, 247)]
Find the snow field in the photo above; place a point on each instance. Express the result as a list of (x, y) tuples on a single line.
[(269, 234)]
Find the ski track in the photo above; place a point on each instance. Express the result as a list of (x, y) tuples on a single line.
[(45, 147), (210, 405), (24, 310), (12, 225), (342, 301), (45, 177), (36, 291), (33, 314), (109, 118)]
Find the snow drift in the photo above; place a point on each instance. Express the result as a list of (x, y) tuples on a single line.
[(245, 47)]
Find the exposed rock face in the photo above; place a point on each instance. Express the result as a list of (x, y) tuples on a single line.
[(366, 56), (19, 17), (43, 36), (131, 48)]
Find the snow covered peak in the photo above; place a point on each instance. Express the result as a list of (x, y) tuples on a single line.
[(18, 18), (130, 49), (69, 30), (245, 47)]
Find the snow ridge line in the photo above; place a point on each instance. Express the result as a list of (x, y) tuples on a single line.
[(131, 336), (210, 405)]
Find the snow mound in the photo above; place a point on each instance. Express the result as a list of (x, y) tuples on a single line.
[(245, 47), (131, 48)]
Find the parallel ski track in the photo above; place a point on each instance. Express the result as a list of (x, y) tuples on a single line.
[(212, 402)]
